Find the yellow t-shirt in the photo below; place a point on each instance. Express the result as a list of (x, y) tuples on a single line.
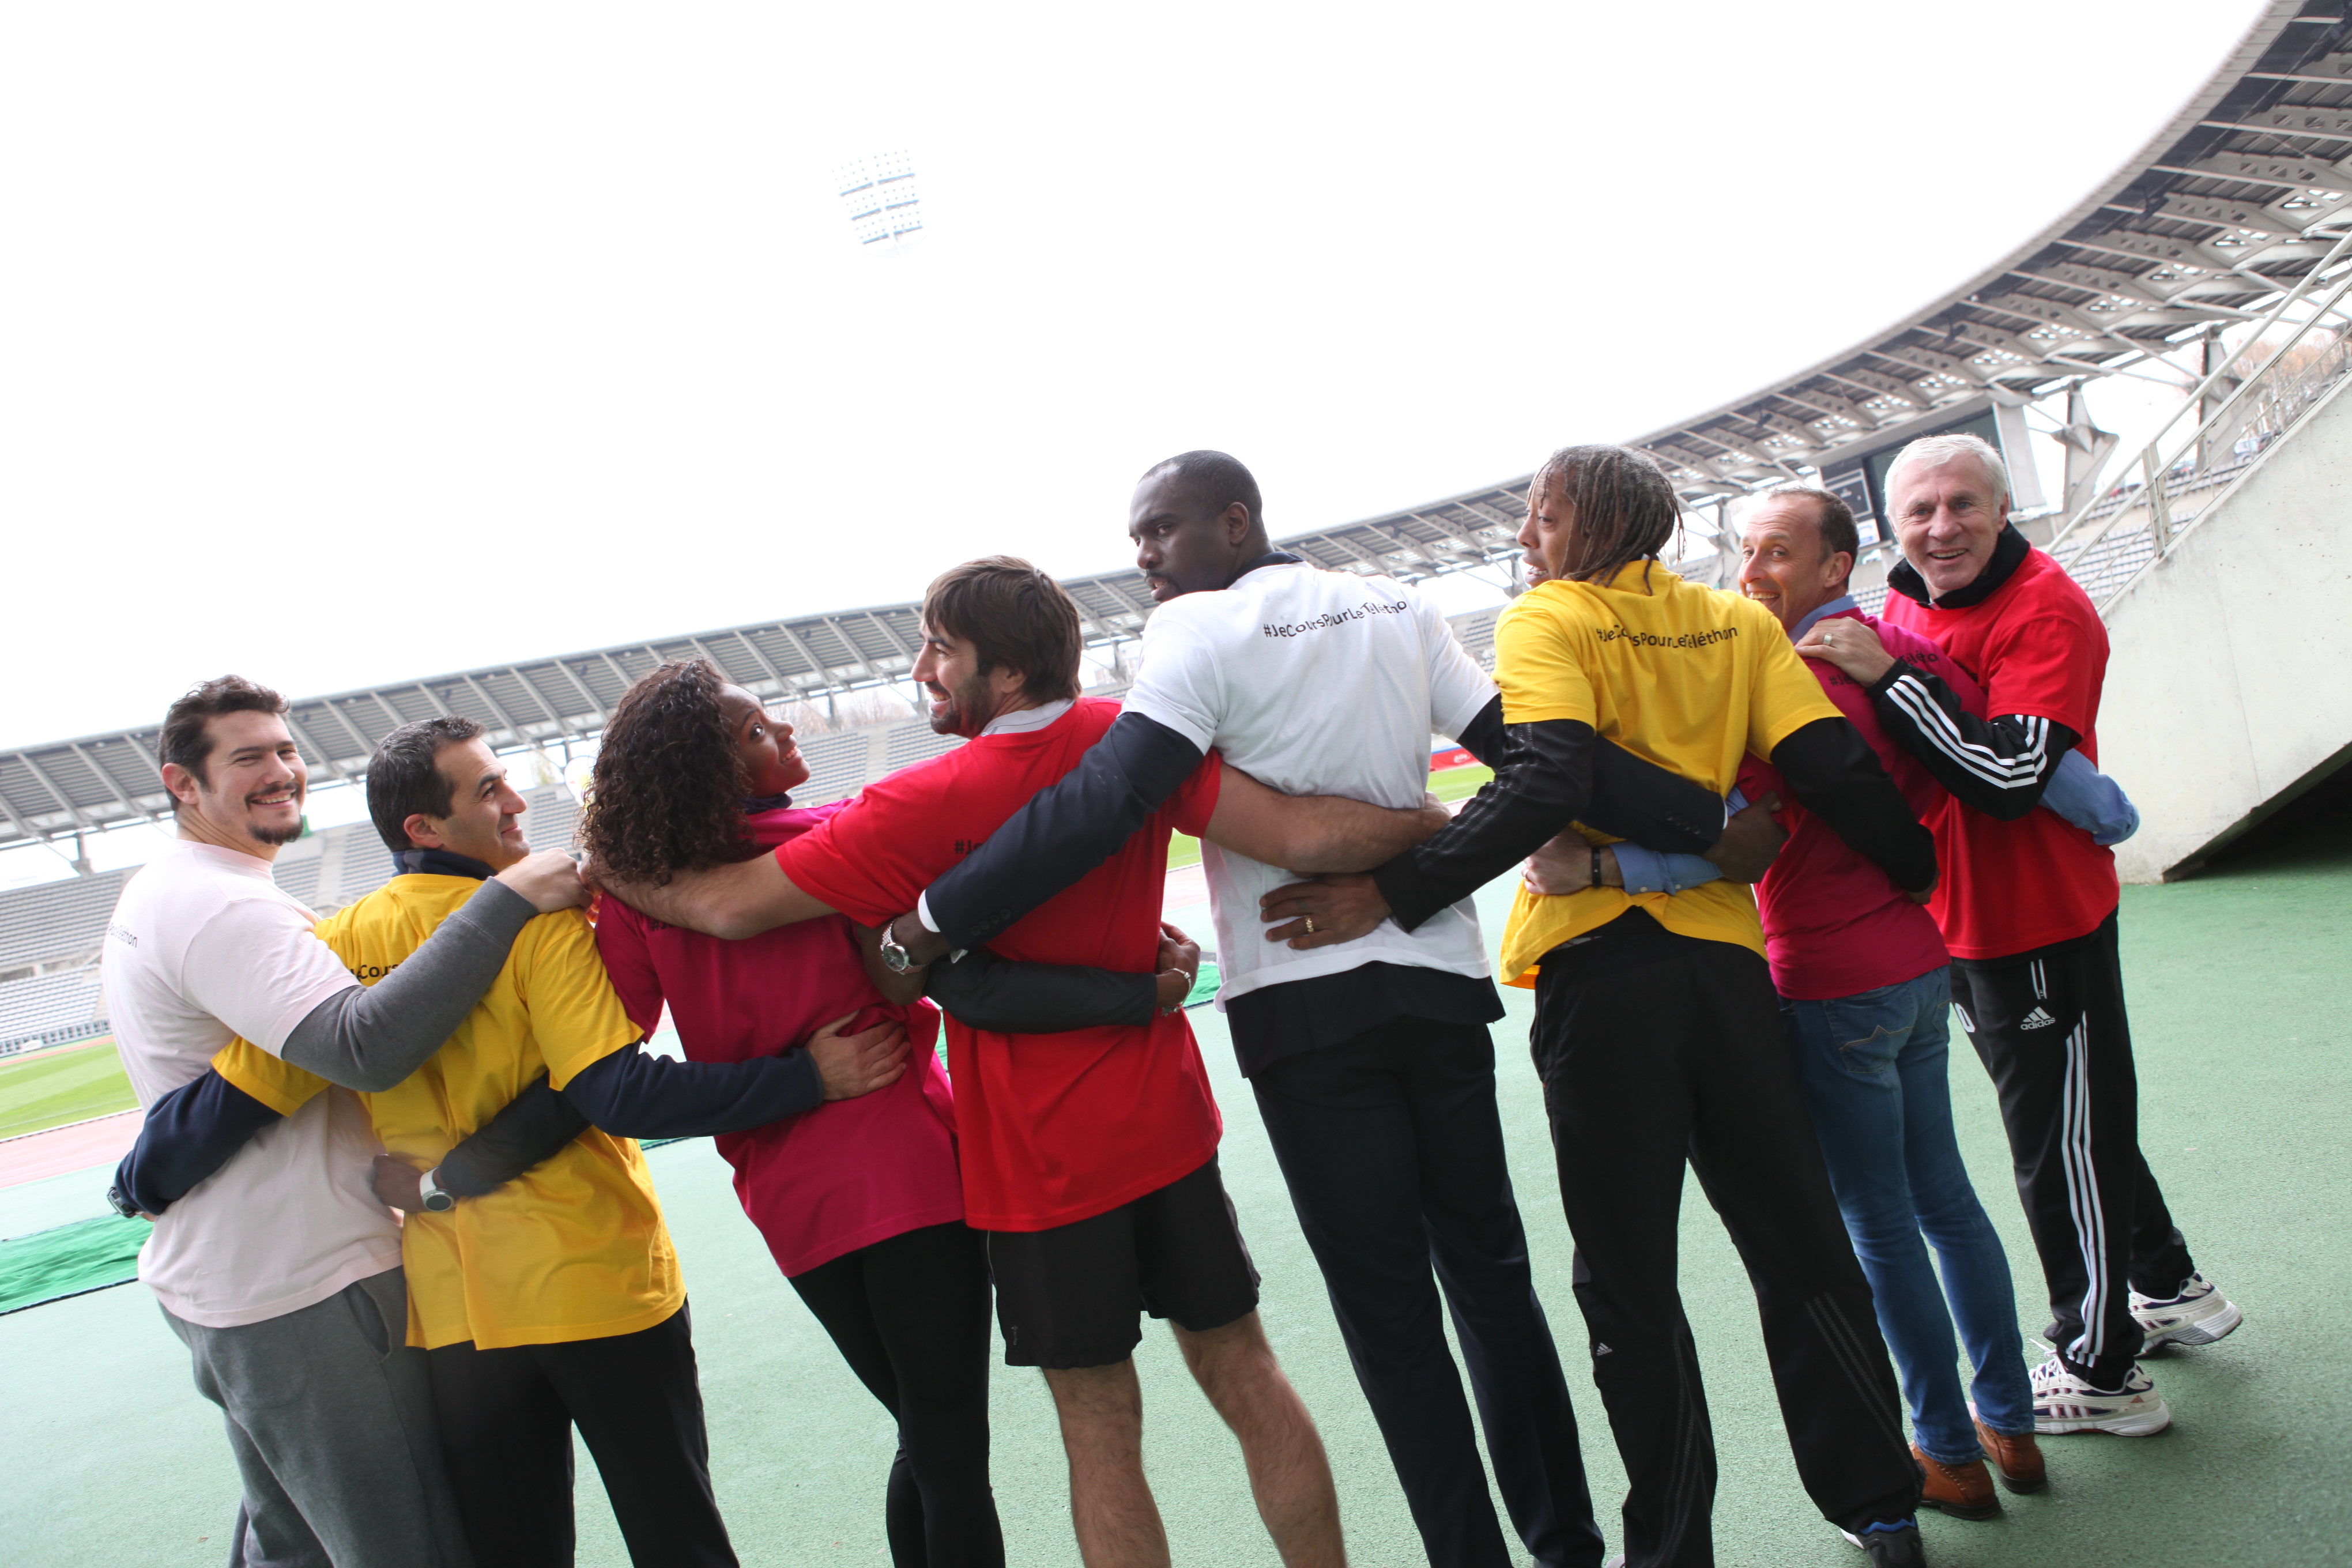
[(575, 1248), (1687, 677)]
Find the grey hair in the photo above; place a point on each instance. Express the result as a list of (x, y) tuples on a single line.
[(1935, 450)]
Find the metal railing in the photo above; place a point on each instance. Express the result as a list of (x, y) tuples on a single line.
[(2183, 477)]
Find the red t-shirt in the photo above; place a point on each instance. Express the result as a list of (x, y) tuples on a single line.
[(1052, 1129), (852, 1172), (2038, 649), (1834, 924)]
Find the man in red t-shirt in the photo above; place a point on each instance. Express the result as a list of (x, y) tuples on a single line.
[(2026, 906), (1088, 1155)]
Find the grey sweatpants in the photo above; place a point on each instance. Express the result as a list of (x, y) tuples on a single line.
[(331, 1414)]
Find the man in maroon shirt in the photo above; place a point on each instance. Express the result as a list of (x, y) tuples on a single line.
[(1865, 988), (2026, 906)]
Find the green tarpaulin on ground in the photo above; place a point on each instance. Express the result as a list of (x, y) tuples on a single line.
[(67, 1259)]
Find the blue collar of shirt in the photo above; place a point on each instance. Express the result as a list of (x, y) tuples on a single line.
[(1836, 607), (755, 804)]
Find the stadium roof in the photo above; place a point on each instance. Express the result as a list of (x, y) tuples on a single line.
[(2229, 206), (2220, 212), (55, 791)]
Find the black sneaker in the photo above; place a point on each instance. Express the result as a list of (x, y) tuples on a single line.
[(1892, 1545)]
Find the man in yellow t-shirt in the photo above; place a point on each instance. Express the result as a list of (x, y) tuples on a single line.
[(554, 1298), (1657, 1032)]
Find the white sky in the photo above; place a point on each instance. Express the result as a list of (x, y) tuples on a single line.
[(345, 344)]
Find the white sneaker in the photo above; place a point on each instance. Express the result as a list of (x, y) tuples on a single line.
[(2197, 1316), (2065, 1403)]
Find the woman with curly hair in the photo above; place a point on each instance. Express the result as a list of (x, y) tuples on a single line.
[(859, 1200)]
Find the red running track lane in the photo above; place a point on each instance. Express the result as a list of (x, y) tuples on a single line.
[(100, 1142)]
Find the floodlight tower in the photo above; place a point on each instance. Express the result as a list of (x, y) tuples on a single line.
[(884, 209)]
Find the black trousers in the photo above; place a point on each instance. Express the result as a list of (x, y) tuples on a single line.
[(506, 1419), (910, 1314), (1655, 1048), (1393, 1153), (2049, 1026)]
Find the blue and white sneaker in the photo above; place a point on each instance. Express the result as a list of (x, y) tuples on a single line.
[(2065, 1403), (1896, 1545), (2197, 1316)]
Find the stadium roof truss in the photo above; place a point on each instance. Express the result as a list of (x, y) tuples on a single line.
[(2225, 210), (52, 792)]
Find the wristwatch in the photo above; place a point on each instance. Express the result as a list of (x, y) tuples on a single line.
[(121, 1204), (435, 1200), (894, 953)]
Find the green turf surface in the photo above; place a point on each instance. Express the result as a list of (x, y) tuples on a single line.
[(2245, 1057), (69, 1086), (1183, 849)]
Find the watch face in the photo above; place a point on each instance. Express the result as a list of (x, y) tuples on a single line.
[(440, 1203)]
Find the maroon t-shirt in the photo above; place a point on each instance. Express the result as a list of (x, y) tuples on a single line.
[(852, 1172), (1834, 924)]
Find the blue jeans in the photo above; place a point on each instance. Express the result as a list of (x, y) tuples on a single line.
[(1873, 1069)]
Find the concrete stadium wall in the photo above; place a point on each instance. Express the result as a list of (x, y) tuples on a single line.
[(2228, 693)]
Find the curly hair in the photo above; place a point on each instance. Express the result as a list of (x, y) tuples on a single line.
[(1625, 507), (667, 791)]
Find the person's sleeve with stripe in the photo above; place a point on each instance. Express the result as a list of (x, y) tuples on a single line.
[(1998, 765)]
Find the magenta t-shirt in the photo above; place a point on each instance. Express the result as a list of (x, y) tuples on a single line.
[(1833, 922), (852, 1172)]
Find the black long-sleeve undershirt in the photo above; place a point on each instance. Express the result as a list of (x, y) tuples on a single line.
[(1068, 829), (634, 1094), (1543, 782), (1834, 773), (1543, 785), (190, 1134), (1998, 766)]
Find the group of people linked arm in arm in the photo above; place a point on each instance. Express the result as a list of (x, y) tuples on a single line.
[(1913, 801)]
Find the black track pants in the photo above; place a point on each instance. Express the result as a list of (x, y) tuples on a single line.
[(1655, 1048), (910, 1314), (2049, 1027), (1392, 1148), (506, 1419)]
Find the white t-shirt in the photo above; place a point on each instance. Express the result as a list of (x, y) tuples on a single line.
[(204, 946), (1314, 682)]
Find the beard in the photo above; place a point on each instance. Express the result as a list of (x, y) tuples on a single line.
[(275, 837), (968, 709)]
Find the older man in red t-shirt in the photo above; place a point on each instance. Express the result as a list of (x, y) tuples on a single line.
[(1088, 1157), (2026, 906)]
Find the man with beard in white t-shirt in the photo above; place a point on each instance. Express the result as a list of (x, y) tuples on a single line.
[(281, 1271), (1369, 1059)]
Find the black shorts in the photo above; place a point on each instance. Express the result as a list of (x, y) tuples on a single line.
[(1073, 1296)]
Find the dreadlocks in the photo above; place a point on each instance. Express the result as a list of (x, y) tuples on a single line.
[(667, 791), (1623, 505)]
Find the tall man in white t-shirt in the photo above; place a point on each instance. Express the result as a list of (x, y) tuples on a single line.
[(281, 1272), (1370, 1059)]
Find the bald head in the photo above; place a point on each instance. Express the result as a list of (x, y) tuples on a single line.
[(1196, 524)]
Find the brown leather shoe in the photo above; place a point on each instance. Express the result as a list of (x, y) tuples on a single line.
[(2018, 1459), (1964, 1491)]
